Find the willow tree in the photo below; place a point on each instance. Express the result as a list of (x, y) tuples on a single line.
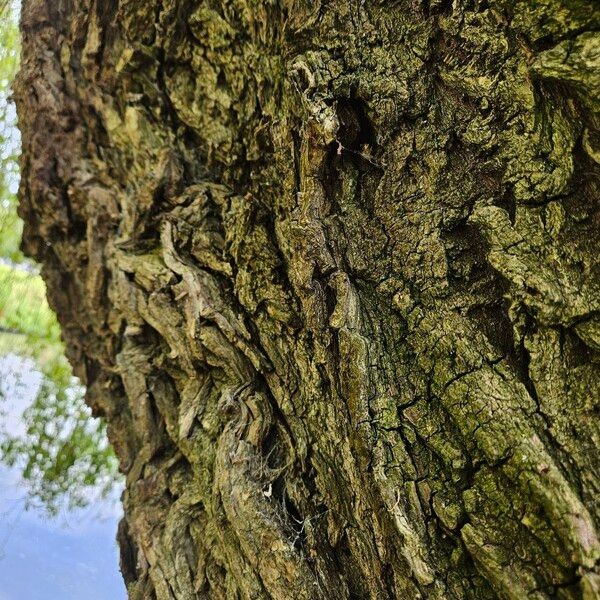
[(329, 272)]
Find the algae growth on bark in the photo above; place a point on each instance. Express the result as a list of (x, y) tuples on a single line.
[(329, 270)]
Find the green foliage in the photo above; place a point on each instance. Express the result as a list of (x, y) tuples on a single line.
[(10, 224), (61, 450), (29, 327)]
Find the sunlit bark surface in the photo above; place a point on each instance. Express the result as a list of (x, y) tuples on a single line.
[(329, 270)]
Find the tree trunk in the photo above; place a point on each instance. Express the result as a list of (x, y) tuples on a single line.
[(329, 271)]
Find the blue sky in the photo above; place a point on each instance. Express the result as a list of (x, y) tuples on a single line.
[(71, 557)]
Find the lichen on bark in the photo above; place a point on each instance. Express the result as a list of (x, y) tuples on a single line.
[(329, 272)]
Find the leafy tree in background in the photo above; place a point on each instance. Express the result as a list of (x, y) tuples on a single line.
[(63, 454), (10, 225)]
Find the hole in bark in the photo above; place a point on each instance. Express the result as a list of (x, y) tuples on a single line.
[(356, 128), (78, 229), (466, 253), (356, 140), (352, 154)]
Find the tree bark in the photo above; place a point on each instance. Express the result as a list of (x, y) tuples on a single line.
[(329, 271)]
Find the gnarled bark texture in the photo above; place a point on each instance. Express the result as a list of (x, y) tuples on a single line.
[(329, 270)]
